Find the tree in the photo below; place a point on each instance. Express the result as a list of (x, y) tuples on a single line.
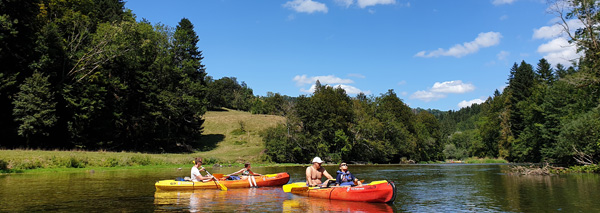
[(35, 109), (18, 32)]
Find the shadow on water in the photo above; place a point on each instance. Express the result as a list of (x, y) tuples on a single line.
[(209, 142)]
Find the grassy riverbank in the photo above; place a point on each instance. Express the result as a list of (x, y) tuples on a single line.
[(230, 137)]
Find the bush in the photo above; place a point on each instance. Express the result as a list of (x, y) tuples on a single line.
[(140, 160), (451, 152), (594, 168), (3, 165)]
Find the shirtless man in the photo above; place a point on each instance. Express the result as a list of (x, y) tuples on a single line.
[(315, 172)]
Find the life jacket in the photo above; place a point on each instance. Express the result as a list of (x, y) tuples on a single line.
[(345, 177)]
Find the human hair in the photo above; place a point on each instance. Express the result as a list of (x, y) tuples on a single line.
[(198, 160), (246, 165)]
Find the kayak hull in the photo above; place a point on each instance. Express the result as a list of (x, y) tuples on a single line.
[(278, 179), (376, 192)]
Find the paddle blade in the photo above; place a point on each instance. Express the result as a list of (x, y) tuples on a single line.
[(222, 187)]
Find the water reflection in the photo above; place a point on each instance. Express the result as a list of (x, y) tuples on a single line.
[(246, 199), (420, 188), (302, 204)]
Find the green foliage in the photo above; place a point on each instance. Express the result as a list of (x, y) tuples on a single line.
[(3, 166), (451, 152), (593, 168), (35, 107), (227, 92)]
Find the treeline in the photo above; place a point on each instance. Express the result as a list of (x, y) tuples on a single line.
[(86, 75), (336, 127), (545, 114)]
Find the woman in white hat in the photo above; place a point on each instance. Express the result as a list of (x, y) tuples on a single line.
[(315, 172)]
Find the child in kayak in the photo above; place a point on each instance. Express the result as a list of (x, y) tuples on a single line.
[(246, 172), (345, 178)]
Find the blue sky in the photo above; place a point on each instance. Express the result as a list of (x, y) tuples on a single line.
[(436, 54)]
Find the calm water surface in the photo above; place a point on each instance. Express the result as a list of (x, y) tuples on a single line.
[(420, 188)]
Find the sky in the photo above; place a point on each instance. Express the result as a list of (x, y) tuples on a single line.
[(434, 54)]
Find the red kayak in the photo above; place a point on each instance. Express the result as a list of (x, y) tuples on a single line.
[(374, 192), (252, 181)]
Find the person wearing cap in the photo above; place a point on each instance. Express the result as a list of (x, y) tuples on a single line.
[(315, 172), (345, 178)]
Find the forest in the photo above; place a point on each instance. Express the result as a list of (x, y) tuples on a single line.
[(87, 75)]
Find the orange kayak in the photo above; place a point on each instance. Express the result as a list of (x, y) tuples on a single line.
[(278, 179), (374, 192)]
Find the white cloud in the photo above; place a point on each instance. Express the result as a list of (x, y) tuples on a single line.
[(452, 87), (502, 55), (356, 75), (504, 17), (483, 40), (501, 2), (306, 6), (556, 30), (403, 82), (366, 3), (465, 103), (547, 32), (344, 3), (427, 96), (351, 90), (301, 80), (439, 90), (558, 49)]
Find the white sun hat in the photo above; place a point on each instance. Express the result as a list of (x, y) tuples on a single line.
[(317, 160)]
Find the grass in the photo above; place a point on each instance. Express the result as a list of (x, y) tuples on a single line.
[(238, 135), (233, 138), (485, 160)]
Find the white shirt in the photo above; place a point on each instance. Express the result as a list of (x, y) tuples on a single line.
[(195, 174)]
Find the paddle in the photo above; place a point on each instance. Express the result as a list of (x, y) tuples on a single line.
[(221, 186)]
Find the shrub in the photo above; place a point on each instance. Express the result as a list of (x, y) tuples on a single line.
[(3, 165), (140, 160)]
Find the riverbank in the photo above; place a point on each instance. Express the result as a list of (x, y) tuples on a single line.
[(19, 161)]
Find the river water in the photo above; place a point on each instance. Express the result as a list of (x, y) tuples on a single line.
[(420, 188)]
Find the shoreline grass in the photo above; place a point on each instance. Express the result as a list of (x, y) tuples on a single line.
[(21, 161)]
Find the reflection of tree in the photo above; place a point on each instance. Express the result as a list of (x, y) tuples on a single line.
[(566, 193)]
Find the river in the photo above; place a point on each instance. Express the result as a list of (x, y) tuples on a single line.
[(420, 188)]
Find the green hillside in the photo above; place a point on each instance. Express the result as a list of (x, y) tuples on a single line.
[(225, 141)]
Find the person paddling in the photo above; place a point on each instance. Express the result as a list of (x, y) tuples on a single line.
[(195, 173), (345, 178), (315, 172)]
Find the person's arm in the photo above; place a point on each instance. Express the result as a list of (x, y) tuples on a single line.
[(238, 172), (252, 173), (327, 175), (355, 180)]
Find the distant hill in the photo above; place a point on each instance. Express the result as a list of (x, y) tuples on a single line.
[(223, 138)]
